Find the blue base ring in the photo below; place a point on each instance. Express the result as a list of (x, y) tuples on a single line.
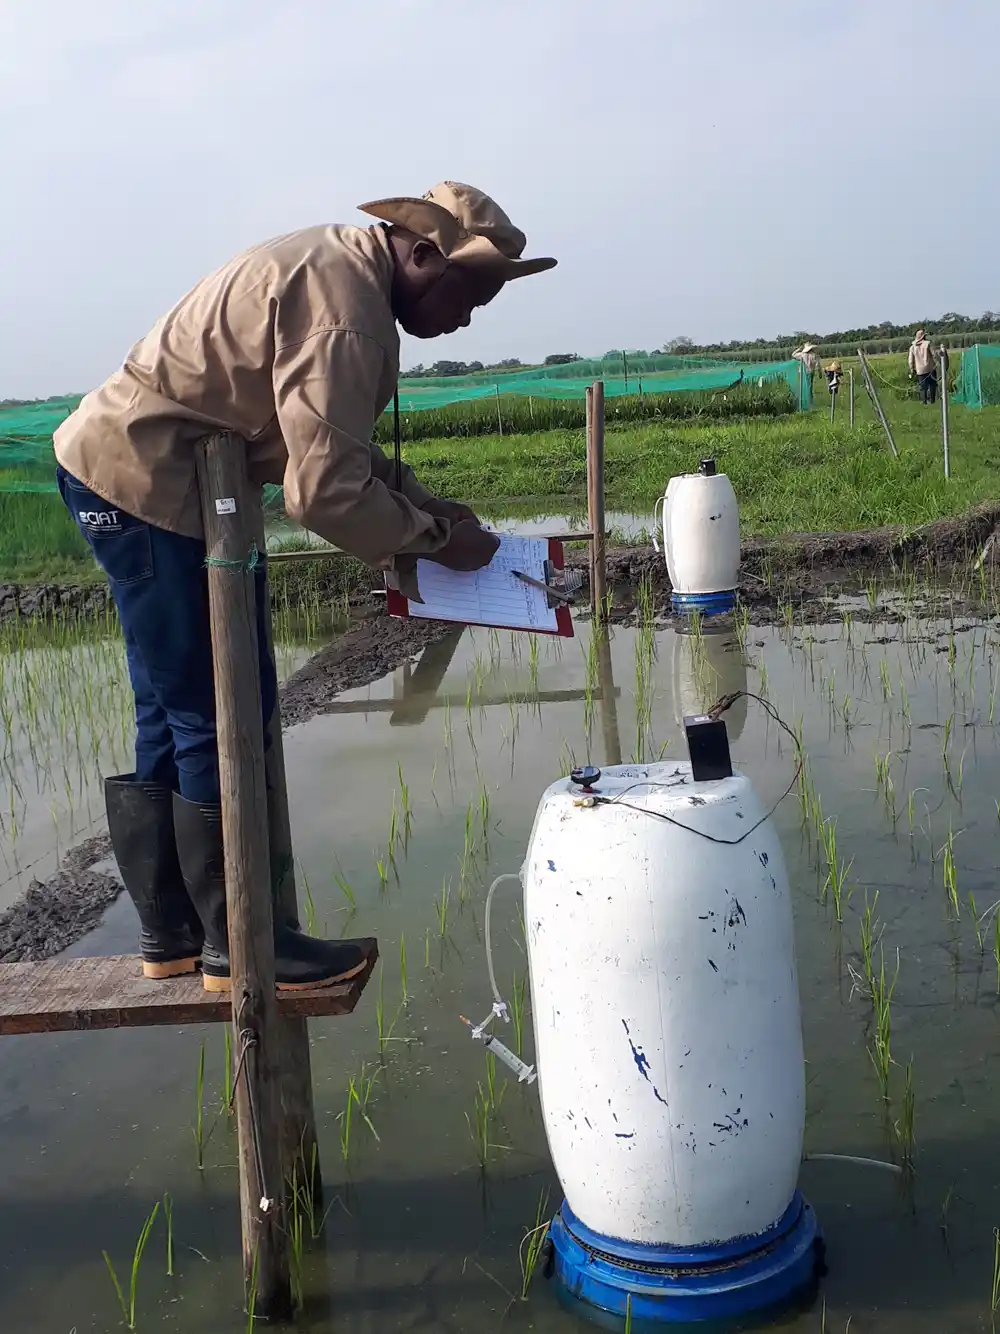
[(711, 604), (677, 1285)]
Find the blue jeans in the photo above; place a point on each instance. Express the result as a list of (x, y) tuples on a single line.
[(160, 587)]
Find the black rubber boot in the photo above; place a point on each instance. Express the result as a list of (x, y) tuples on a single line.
[(301, 962), (141, 825)]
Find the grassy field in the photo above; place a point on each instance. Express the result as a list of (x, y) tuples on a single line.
[(794, 472)]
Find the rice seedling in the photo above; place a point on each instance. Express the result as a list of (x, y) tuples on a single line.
[(517, 992), (741, 625), (128, 1304), (533, 1243), (393, 831), (946, 737), (296, 1237), (385, 1031), (836, 870), (977, 925), (442, 909), (904, 1126), (848, 713), (480, 1126), (871, 592), (950, 873), (996, 947), (309, 1194), (886, 683), (628, 1313), (252, 1294), (227, 1071), (342, 883), (345, 1119), (943, 1217), (168, 1214), (881, 1046), (198, 1130), (312, 925), (871, 934), (381, 865)]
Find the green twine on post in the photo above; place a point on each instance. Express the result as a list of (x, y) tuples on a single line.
[(250, 563)]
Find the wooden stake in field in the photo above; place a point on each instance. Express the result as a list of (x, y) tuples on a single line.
[(231, 558), (944, 411), (300, 1151), (870, 387), (595, 500), (850, 399)]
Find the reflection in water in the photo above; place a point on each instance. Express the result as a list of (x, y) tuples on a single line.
[(706, 663)]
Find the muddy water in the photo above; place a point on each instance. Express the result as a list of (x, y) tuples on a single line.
[(94, 1128)]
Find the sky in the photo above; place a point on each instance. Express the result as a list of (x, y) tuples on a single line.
[(720, 170)]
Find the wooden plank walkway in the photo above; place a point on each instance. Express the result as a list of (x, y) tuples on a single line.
[(72, 995)]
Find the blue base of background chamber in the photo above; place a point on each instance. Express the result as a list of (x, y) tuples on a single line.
[(709, 604), (673, 1285)]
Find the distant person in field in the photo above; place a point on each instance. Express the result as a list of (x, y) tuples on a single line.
[(293, 345), (834, 376), (923, 364), (810, 361)]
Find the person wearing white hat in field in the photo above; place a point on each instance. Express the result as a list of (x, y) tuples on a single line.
[(809, 359), (923, 364), (293, 345)]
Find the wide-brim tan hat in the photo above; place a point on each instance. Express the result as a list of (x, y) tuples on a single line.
[(466, 225), (808, 347)]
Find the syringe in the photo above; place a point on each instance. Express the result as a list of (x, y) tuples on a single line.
[(526, 1074)]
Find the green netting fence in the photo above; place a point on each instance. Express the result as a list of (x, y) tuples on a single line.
[(27, 461), (978, 382)]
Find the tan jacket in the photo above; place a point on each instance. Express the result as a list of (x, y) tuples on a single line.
[(294, 346), (922, 358)]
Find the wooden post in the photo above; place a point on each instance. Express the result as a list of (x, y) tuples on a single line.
[(226, 509), (850, 381), (300, 1149), (873, 395), (595, 500), (833, 402), (944, 412)]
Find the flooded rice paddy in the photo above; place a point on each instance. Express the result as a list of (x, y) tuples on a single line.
[(405, 805)]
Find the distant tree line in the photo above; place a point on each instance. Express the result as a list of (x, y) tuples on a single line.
[(950, 323), (445, 368)]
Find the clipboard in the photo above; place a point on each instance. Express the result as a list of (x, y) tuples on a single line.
[(493, 597)]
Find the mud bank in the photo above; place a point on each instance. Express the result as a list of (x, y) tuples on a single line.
[(794, 566)]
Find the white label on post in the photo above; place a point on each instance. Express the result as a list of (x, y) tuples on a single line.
[(227, 505)]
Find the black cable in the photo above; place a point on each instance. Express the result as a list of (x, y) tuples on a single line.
[(716, 711)]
